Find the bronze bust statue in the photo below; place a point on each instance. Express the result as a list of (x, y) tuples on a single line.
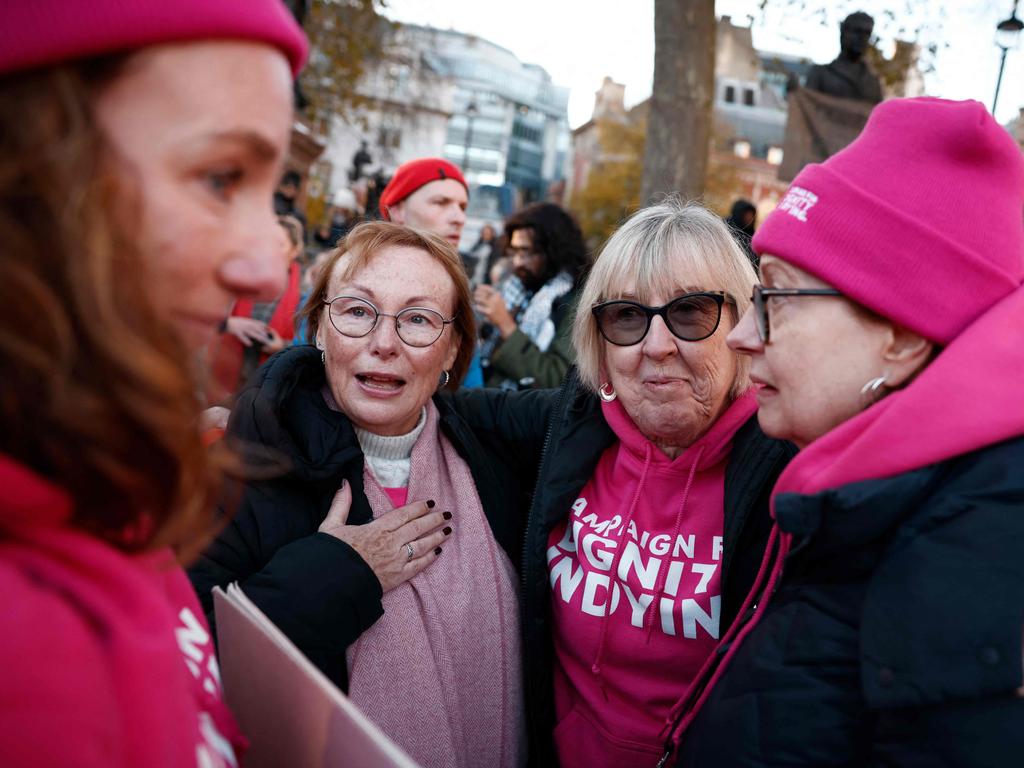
[(848, 77)]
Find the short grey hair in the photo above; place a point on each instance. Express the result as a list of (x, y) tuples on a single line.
[(656, 247)]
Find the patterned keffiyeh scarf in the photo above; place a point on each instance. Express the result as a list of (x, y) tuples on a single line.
[(532, 312)]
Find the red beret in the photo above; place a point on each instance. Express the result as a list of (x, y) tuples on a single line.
[(415, 174)]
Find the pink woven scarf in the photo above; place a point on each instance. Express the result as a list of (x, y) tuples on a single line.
[(440, 671)]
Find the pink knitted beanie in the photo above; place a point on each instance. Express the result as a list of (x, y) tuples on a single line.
[(34, 33), (920, 219)]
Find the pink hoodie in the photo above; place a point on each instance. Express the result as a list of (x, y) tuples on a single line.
[(968, 398), (625, 653), (109, 661)]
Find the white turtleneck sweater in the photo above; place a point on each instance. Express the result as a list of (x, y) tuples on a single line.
[(390, 457)]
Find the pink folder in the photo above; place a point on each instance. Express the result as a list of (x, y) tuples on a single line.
[(291, 713)]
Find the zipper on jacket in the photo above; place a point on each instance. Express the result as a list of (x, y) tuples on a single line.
[(720, 652), (556, 417), (524, 615)]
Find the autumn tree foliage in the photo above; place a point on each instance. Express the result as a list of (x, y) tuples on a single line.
[(612, 191), (346, 37)]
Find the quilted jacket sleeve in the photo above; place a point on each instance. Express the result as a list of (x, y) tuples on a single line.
[(313, 586)]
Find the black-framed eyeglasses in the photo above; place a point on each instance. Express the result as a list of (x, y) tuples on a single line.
[(355, 318), (526, 253), (691, 317), (760, 303)]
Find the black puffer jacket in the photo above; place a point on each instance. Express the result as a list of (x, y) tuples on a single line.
[(312, 585), (895, 636), (564, 433)]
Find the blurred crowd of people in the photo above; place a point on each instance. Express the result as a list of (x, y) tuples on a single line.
[(525, 274)]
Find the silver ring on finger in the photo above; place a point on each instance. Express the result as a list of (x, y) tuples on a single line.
[(409, 551)]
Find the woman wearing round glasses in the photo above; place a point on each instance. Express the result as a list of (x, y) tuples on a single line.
[(650, 513), (887, 343), (374, 551)]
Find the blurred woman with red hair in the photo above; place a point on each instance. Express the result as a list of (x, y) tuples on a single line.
[(140, 144)]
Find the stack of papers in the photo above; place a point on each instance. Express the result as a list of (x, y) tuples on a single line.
[(290, 712)]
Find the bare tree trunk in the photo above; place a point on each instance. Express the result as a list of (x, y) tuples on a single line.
[(679, 123)]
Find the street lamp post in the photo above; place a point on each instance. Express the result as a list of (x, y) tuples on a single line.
[(471, 112), (1007, 34)]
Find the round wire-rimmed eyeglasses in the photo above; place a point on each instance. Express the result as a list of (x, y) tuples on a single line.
[(690, 317), (416, 326), (759, 301)]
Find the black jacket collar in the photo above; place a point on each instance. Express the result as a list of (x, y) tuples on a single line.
[(281, 422)]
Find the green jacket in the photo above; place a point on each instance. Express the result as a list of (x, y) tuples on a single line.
[(517, 357)]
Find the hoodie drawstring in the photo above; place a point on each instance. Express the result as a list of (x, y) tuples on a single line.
[(659, 587), (595, 667)]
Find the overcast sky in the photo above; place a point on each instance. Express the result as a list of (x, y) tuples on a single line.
[(580, 41)]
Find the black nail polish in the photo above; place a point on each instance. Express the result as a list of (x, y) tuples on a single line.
[(447, 515), (437, 551), (430, 504), (447, 530)]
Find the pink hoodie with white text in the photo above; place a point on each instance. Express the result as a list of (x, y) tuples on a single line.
[(635, 573)]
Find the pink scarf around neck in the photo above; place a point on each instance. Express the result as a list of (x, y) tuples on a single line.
[(440, 671)]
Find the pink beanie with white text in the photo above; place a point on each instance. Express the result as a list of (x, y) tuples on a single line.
[(920, 219), (36, 33)]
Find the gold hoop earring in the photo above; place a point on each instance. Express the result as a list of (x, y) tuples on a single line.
[(606, 392)]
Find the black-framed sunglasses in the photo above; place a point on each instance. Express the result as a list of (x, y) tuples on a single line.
[(355, 318), (760, 303), (691, 317)]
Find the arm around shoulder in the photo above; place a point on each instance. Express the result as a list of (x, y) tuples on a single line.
[(519, 417)]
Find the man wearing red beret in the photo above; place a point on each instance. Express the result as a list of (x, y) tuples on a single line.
[(429, 193)]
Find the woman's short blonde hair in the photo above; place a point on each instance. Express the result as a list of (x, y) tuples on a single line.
[(656, 251), (362, 244)]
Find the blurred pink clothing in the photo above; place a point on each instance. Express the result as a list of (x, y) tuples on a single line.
[(108, 659)]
